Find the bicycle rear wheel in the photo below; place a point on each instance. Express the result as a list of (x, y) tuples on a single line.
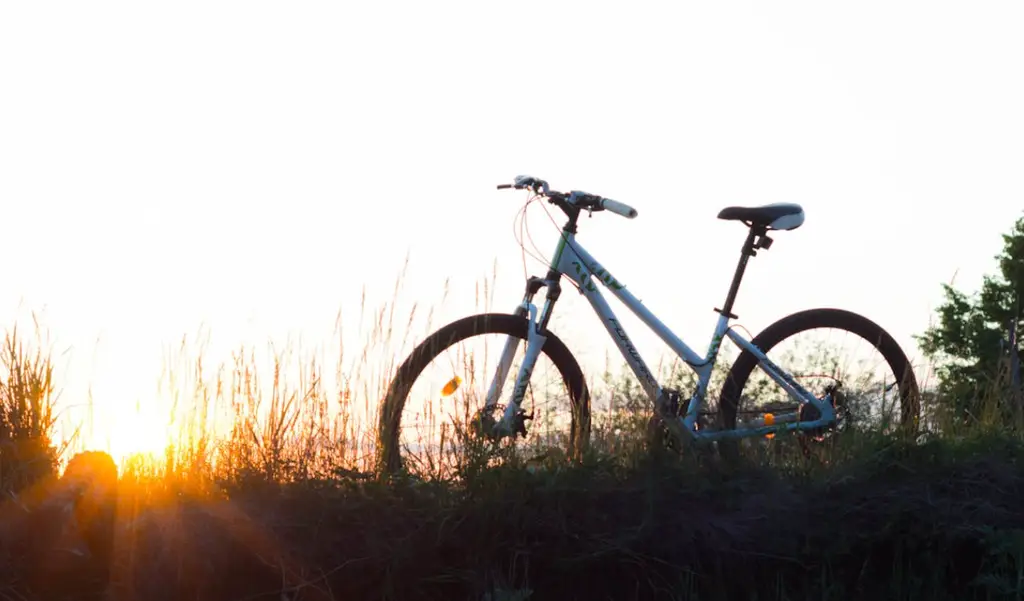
[(743, 390), (417, 382)]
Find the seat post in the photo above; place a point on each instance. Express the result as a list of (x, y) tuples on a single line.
[(750, 246)]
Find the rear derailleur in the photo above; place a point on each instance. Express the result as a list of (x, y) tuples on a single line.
[(808, 412)]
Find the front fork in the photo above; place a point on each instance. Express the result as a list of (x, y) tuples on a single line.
[(535, 340)]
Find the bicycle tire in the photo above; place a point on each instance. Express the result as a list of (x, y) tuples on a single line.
[(809, 319), (389, 426)]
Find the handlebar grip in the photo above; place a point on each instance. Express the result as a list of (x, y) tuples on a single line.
[(619, 208)]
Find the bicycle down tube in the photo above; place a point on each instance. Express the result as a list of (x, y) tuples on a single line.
[(574, 261)]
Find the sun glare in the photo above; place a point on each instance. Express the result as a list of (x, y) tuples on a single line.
[(131, 434)]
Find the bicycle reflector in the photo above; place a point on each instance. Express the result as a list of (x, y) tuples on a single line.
[(452, 385)]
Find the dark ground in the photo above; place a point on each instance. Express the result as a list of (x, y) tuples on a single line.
[(925, 522)]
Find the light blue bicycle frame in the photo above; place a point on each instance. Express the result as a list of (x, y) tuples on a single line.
[(573, 261)]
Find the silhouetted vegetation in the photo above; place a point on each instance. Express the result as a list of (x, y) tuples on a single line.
[(975, 341), (284, 503)]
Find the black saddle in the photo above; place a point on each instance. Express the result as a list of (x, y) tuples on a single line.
[(777, 216)]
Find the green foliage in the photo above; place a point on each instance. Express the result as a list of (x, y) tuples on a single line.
[(968, 343)]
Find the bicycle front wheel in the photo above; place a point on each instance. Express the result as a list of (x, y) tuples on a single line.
[(816, 366), (444, 384)]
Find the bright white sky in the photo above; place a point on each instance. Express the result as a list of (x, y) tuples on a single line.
[(253, 166)]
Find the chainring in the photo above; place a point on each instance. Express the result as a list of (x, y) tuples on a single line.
[(659, 436)]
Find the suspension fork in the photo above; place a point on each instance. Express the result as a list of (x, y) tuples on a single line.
[(535, 339)]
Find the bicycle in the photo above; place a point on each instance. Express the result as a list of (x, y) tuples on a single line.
[(812, 415)]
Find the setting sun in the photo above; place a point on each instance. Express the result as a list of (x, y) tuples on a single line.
[(267, 259), (128, 434)]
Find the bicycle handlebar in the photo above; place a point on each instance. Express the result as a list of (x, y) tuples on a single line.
[(576, 198), (619, 208)]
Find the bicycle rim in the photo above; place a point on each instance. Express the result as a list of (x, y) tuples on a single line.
[(430, 422), (820, 348)]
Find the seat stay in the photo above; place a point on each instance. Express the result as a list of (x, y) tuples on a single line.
[(574, 261)]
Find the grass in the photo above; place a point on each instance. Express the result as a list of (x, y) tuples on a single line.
[(269, 494)]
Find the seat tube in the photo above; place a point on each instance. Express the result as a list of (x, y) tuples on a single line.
[(737, 277)]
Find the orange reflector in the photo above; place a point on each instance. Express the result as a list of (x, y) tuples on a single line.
[(452, 385)]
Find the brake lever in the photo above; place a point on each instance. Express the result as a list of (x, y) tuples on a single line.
[(517, 186), (535, 185)]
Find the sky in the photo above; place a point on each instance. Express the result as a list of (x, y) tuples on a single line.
[(247, 170)]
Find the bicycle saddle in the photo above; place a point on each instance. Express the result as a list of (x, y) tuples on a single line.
[(776, 216)]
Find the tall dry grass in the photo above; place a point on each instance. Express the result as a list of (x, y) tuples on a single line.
[(267, 491), (28, 413)]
